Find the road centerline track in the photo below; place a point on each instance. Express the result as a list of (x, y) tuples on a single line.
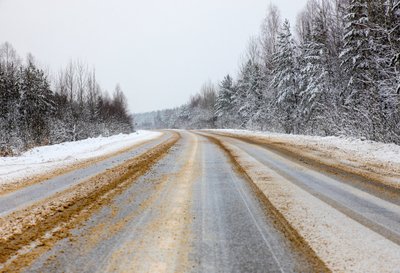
[(227, 211), (242, 194)]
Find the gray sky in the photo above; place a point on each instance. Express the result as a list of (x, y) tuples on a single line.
[(160, 51)]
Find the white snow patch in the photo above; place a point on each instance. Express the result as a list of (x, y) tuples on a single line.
[(43, 159)]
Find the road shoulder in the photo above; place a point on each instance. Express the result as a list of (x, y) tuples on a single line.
[(336, 239), (26, 234), (12, 185)]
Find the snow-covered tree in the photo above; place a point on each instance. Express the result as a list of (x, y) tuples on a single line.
[(224, 103), (269, 35), (36, 104), (315, 77), (362, 97), (338, 75), (248, 97), (31, 113), (286, 79), (356, 53)]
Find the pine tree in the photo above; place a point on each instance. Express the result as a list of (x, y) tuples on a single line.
[(224, 99), (248, 96), (362, 100), (3, 94), (315, 76), (224, 104), (9, 102), (286, 79), (356, 53), (37, 104), (390, 33)]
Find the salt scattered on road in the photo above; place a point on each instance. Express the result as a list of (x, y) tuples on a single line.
[(43, 159)]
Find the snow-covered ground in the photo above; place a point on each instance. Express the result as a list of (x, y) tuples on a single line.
[(362, 148), (48, 158), (337, 238), (342, 243), (363, 156)]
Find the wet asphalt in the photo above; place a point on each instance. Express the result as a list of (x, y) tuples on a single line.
[(233, 231), (230, 230), (378, 214)]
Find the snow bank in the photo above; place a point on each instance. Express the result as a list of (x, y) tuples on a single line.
[(380, 161), (362, 148), (43, 159), (342, 243)]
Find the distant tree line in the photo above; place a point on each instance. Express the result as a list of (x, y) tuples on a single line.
[(35, 111), (199, 112), (339, 75)]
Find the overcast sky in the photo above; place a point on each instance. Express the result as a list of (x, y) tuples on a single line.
[(160, 51)]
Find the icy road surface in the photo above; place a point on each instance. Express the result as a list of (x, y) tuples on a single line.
[(378, 214), (198, 201), (192, 212)]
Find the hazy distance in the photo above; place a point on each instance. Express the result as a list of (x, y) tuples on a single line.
[(159, 51)]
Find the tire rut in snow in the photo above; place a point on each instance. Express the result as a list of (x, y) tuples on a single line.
[(68, 208), (361, 178), (296, 241)]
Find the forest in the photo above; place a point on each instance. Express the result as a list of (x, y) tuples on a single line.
[(336, 72), (38, 109)]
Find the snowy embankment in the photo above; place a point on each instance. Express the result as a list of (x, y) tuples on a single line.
[(377, 160), (41, 160)]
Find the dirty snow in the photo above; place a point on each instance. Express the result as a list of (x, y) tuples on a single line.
[(366, 149), (342, 243), (372, 159), (43, 159)]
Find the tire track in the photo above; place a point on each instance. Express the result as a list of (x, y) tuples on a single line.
[(323, 210), (19, 184), (296, 241), (70, 207)]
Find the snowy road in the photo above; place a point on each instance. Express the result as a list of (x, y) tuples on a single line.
[(26, 196), (380, 215), (192, 212), (190, 204)]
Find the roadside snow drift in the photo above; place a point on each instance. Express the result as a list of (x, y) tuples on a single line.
[(377, 160), (342, 243), (43, 159), (362, 148)]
